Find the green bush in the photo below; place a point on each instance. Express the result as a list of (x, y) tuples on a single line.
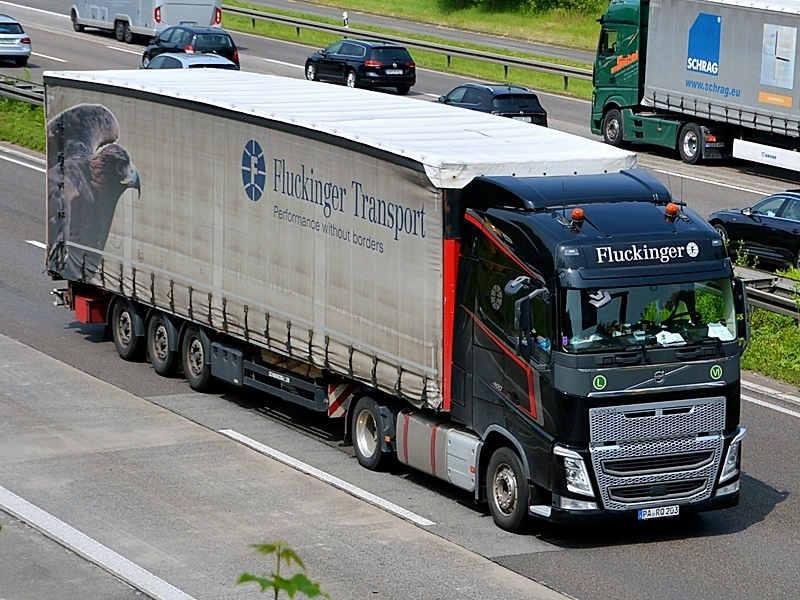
[(22, 124)]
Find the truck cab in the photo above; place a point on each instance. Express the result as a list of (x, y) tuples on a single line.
[(599, 327)]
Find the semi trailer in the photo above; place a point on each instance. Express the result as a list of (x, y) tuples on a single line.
[(520, 312), (147, 18), (710, 79)]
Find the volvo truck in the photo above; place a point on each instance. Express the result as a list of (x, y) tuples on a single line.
[(520, 312)]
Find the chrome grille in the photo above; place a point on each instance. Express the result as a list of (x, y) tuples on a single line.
[(687, 461), (660, 491), (656, 420), (649, 455)]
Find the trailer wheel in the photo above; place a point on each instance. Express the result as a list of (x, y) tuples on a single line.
[(613, 129), (507, 490), (193, 354), (129, 345), (350, 79), (311, 71), (367, 434), (689, 144), (119, 30), (160, 344), (75, 25), (128, 35)]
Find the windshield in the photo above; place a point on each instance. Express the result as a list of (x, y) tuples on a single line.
[(654, 316)]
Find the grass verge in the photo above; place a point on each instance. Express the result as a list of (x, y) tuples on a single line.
[(22, 124)]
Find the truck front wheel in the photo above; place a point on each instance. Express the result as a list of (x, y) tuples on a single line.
[(507, 490), (613, 128), (129, 345), (75, 25), (193, 354), (367, 434), (689, 143)]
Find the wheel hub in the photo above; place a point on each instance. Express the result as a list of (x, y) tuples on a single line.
[(366, 434), (124, 328), (505, 489), (196, 359), (160, 345)]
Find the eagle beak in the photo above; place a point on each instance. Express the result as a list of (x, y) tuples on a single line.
[(133, 181)]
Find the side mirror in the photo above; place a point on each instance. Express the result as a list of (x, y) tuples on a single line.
[(742, 313), (522, 317), (442, 99), (747, 211)]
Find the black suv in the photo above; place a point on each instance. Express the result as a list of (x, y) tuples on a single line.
[(186, 38), (360, 63), (506, 100)]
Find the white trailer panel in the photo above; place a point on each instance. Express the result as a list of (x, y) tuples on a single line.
[(306, 218)]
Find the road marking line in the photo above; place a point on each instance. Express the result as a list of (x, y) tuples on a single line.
[(327, 478), (280, 62), (785, 411), (47, 12), (90, 549), (39, 159), (49, 57), (754, 387), (709, 182), (123, 50), (19, 162), (37, 244)]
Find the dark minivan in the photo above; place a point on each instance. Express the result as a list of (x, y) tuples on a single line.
[(187, 38), (359, 63)]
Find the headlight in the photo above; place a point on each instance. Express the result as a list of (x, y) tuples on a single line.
[(731, 465), (575, 471)]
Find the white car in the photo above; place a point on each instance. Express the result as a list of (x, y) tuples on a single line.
[(190, 61), (15, 45)]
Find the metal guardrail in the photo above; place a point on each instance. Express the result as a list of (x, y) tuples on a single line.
[(449, 51), (19, 89), (771, 292)]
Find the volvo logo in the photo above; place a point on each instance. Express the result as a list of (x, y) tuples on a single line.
[(658, 376), (254, 170)]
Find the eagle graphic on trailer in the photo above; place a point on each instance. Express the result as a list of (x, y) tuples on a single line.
[(87, 171)]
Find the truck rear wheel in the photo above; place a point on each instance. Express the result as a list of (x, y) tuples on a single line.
[(613, 129), (119, 30), (689, 143), (160, 345), (367, 434), (507, 490), (129, 345), (128, 35), (193, 354)]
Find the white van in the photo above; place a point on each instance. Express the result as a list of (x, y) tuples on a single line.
[(128, 18)]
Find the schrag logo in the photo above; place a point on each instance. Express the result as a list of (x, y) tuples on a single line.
[(636, 253), (704, 43)]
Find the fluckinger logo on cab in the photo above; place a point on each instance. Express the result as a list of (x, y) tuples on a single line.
[(704, 44)]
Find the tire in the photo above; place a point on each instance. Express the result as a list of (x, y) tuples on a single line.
[(507, 490), (21, 62), (145, 60), (689, 144), (367, 435), (723, 233), (350, 79), (613, 131), (129, 346), (311, 71), (119, 30), (159, 344), (403, 89), (75, 25), (796, 261), (128, 36), (193, 355)]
